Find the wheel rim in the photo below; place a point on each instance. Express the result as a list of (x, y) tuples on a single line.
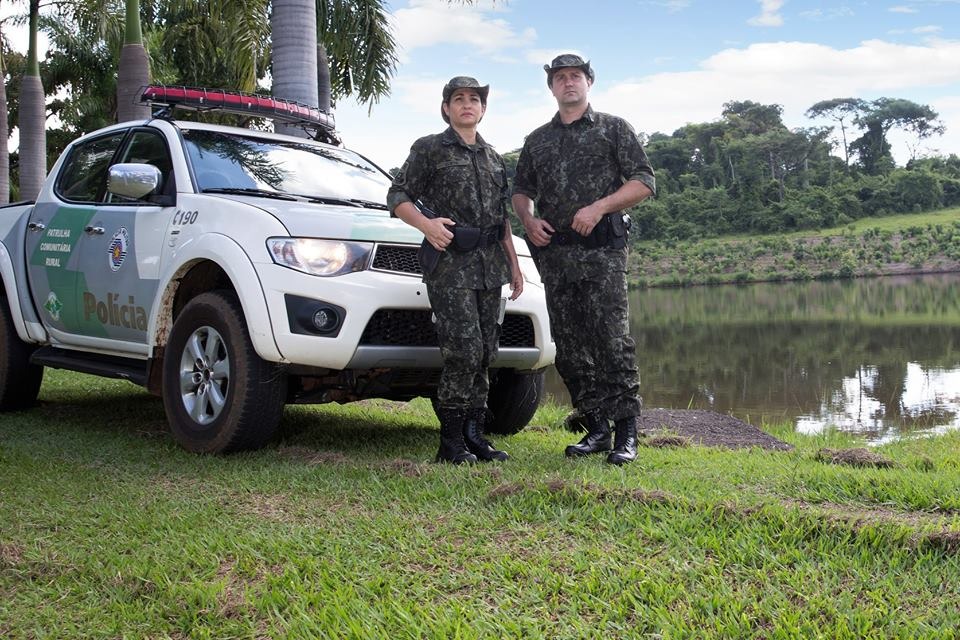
[(204, 375)]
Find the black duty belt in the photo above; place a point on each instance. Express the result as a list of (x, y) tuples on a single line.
[(609, 232), (471, 238)]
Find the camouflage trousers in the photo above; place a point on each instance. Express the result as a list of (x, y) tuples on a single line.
[(468, 333), (596, 355)]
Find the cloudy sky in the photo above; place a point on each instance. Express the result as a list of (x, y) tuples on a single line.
[(664, 63), (661, 63)]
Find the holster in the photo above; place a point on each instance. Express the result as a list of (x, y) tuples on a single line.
[(610, 232), (428, 257), (534, 251)]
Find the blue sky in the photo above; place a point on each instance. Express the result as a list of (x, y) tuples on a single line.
[(660, 63), (664, 63)]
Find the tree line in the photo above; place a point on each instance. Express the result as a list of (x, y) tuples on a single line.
[(748, 173), (743, 173), (101, 52)]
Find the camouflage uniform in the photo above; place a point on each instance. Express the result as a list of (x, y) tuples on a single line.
[(467, 183), (564, 168)]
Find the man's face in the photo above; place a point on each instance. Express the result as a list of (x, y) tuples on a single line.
[(570, 86), (464, 108)]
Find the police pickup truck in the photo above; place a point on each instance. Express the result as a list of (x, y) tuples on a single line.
[(231, 271)]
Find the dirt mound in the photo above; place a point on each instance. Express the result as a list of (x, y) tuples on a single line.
[(859, 457), (682, 427), (708, 428)]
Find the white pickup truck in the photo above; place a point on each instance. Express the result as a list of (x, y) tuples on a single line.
[(232, 271)]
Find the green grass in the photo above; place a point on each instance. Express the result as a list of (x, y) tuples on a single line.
[(343, 529)]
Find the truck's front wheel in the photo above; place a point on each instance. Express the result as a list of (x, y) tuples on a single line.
[(219, 395), (19, 380), (513, 399)]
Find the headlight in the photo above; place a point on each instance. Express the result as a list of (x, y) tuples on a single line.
[(320, 257)]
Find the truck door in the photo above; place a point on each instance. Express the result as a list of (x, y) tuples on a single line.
[(94, 257), (119, 254), (55, 228)]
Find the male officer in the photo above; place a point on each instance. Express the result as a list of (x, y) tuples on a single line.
[(583, 169), (457, 175)]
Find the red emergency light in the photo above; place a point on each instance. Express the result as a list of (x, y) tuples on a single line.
[(199, 99)]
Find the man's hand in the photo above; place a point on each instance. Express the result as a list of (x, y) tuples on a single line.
[(587, 218), (436, 232), (516, 284), (538, 230)]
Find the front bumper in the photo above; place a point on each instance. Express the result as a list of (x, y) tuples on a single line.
[(366, 298)]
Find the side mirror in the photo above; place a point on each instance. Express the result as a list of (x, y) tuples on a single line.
[(133, 180)]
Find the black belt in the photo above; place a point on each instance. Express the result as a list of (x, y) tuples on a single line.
[(471, 238), (609, 232)]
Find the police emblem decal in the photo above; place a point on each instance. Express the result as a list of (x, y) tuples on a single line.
[(53, 306), (117, 250)]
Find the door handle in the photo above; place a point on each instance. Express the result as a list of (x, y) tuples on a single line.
[(36, 226), (94, 231)]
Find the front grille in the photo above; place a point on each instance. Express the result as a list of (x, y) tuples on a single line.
[(398, 258), (405, 327)]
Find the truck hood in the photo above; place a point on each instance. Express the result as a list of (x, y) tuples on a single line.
[(309, 220)]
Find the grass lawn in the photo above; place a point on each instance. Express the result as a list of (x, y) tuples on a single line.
[(343, 529)]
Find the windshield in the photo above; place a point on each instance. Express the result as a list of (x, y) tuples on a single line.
[(230, 162)]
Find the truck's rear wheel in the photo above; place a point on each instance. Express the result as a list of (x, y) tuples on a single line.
[(19, 380), (219, 395)]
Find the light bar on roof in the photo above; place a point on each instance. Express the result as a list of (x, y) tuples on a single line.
[(198, 99)]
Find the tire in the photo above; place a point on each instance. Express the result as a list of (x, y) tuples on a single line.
[(19, 380), (218, 394), (514, 398)]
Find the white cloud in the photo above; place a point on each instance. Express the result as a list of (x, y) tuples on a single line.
[(670, 5), (792, 74), (901, 9), (930, 28), (769, 14), (829, 14), (431, 22)]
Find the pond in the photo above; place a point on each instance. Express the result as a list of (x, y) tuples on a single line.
[(876, 356)]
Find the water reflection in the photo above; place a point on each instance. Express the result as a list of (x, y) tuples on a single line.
[(880, 356)]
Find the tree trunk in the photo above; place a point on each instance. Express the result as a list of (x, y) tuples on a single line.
[(4, 134), (33, 119), (324, 100), (293, 25), (846, 148), (133, 71), (33, 137)]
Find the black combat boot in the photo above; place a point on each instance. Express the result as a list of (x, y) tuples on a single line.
[(473, 436), (625, 441), (452, 447), (597, 439)]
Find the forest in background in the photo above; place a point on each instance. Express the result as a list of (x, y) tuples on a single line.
[(743, 173), (747, 173)]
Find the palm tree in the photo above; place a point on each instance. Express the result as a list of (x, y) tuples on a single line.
[(4, 134), (293, 24), (134, 69), (33, 118), (356, 35)]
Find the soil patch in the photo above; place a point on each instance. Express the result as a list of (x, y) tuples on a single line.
[(664, 428), (708, 428), (859, 457)]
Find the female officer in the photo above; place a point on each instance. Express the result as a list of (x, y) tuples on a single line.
[(461, 184)]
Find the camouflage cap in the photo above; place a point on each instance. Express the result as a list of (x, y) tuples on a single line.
[(463, 82), (568, 60)]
